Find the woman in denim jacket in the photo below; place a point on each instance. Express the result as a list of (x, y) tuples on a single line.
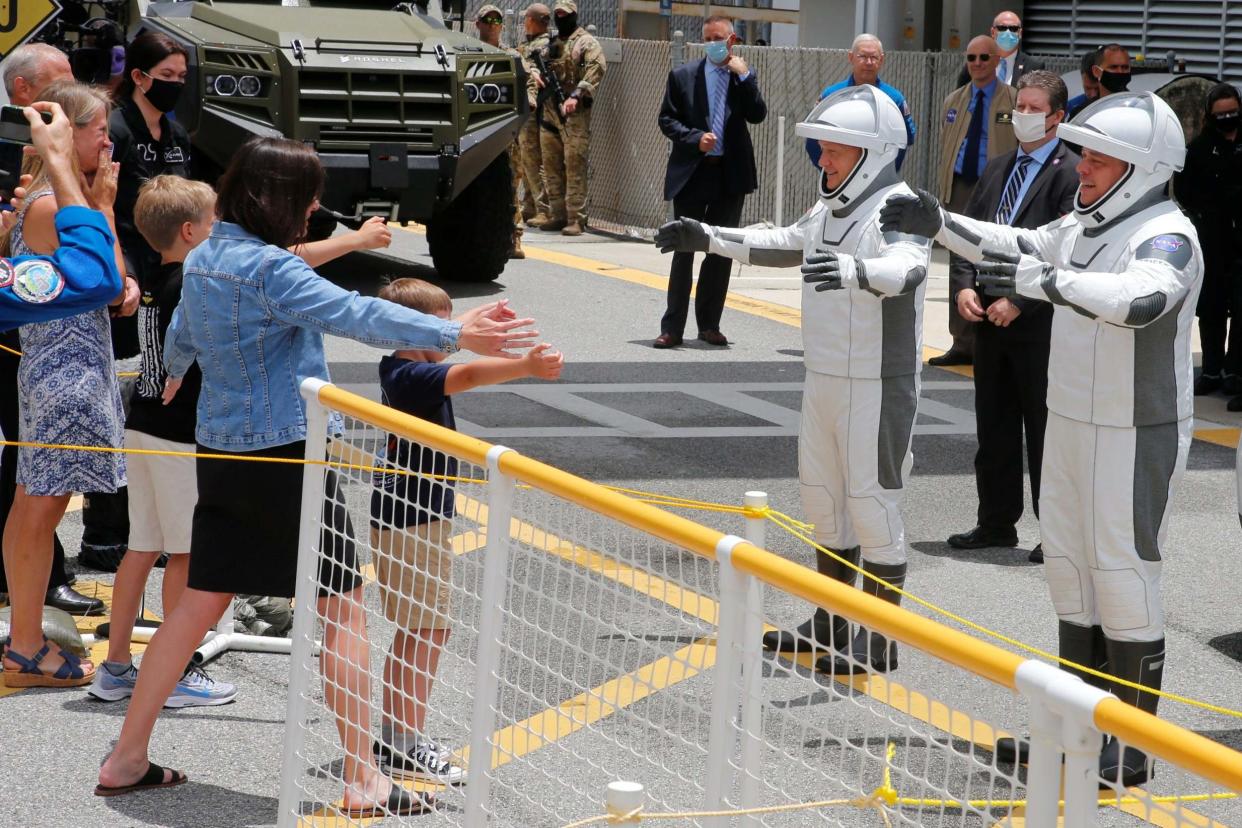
[(254, 315)]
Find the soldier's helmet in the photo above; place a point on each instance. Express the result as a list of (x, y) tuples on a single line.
[(858, 116), (1135, 127)]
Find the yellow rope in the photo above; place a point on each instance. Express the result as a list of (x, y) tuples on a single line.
[(794, 527), (12, 351)]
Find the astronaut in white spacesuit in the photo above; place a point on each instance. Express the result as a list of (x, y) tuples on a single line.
[(1123, 271), (862, 305)]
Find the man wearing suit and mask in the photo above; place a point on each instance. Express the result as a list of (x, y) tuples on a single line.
[(1029, 187), (1014, 63), (706, 108)]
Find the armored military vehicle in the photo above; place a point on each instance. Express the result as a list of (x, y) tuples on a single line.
[(411, 118)]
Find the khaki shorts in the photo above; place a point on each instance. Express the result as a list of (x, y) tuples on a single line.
[(414, 567), (162, 494)]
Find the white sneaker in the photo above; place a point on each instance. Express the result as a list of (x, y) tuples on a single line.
[(110, 687), (197, 689)]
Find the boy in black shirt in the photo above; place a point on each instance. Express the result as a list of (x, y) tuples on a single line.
[(174, 215), (411, 524)]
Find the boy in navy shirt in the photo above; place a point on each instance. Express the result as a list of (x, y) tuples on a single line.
[(411, 524)]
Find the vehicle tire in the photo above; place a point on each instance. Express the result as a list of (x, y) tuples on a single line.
[(471, 237)]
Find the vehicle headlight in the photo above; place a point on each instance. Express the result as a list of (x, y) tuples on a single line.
[(489, 93), (225, 85), (249, 86), (472, 93)]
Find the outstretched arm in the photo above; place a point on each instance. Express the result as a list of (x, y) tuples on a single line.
[(922, 215), (1159, 276), (766, 247)]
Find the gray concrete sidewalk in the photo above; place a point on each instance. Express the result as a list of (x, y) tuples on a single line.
[(783, 286)]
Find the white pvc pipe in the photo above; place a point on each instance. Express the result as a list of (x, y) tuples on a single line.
[(721, 739), (752, 664), (780, 171), (500, 491), (301, 666)]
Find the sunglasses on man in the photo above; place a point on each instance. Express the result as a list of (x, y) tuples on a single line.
[(1014, 29), (981, 58), (491, 21)]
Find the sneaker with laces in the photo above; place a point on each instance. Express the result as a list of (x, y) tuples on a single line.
[(427, 761), (110, 687), (197, 689)]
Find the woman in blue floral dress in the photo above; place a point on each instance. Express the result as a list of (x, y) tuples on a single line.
[(68, 395)]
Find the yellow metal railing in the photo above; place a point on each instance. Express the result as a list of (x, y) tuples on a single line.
[(1176, 745)]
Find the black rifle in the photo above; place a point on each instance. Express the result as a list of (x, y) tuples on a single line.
[(551, 87)]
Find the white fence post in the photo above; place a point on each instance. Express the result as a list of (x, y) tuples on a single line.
[(1075, 701), (780, 172), (302, 662), (752, 663), (1043, 776), (500, 491), (727, 687)]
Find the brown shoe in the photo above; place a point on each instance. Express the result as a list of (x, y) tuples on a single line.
[(713, 338), (572, 229), (666, 340), (552, 225), (516, 251), (538, 221)]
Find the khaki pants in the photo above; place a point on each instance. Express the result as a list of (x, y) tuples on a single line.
[(534, 200), (414, 568), (565, 165)]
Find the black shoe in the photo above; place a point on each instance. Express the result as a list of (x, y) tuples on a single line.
[(1011, 751), (1235, 404), (870, 652), (823, 631), (980, 538), (102, 558), (67, 598), (950, 357), (1208, 384), (1124, 769), (1037, 554), (1231, 384)]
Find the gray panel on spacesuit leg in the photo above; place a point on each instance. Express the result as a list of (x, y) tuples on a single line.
[(914, 278), (898, 316), (898, 405), (1155, 370), (1155, 460)]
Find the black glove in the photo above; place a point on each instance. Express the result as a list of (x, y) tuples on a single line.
[(997, 274), (918, 215), (823, 266), (683, 236)]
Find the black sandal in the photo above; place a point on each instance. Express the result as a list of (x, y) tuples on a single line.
[(153, 778), (401, 802)]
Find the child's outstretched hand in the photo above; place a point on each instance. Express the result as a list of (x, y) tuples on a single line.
[(544, 362)]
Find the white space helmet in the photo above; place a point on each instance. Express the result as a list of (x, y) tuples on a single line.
[(1135, 127), (858, 116)]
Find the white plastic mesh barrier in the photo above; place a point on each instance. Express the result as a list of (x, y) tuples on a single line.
[(600, 646)]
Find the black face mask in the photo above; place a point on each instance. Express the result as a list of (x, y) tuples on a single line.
[(1115, 81), (1227, 121), (567, 25), (163, 94)]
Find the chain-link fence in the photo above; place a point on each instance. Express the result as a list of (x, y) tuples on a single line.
[(628, 151)]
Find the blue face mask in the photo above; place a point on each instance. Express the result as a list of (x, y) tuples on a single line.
[(717, 51), (1008, 40)]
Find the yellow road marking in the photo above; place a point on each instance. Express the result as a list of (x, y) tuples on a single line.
[(1227, 437)]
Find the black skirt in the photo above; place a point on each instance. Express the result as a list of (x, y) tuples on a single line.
[(245, 536)]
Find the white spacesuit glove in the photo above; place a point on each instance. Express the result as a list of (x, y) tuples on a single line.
[(830, 270)]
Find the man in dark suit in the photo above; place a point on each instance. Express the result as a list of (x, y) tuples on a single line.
[(1014, 63), (710, 170), (1028, 187)]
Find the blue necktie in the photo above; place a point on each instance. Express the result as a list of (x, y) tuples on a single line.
[(1004, 71), (720, 93), (1010, 199), (974, 139)]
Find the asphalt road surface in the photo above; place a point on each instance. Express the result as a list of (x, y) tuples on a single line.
[(700, 423)]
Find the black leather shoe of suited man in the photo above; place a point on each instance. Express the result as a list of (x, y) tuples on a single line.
[(65, 597), (980, 538), (950, 357)]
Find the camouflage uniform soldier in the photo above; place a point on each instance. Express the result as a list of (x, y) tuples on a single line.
[(577, 61), (534, 201), (489, 20)]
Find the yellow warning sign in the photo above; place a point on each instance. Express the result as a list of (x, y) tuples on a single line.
[(20, 19)]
